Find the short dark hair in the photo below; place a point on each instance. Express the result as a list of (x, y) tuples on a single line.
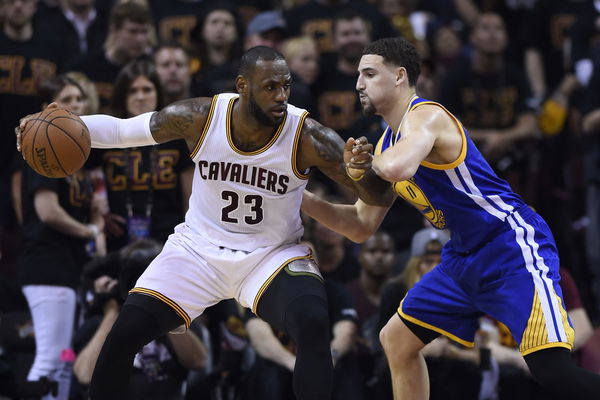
[(399, 52), (255, 54), (51, 88), (129, 73), (129, 11)]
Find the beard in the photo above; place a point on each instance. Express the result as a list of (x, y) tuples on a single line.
[(351, 52), (368, 108), (259, 114)]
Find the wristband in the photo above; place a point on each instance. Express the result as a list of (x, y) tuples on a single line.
[(353, 178)]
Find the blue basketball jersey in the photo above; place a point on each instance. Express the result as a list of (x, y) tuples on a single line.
[(465, 196)]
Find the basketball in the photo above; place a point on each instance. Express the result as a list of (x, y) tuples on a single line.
[(55, 143)]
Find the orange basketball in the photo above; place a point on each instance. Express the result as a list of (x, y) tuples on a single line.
[(55, 143)]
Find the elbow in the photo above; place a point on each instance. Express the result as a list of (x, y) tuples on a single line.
[(360, 235), (392, 172), (83, 373)]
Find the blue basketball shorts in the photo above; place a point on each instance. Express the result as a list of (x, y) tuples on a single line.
[(513, 278)]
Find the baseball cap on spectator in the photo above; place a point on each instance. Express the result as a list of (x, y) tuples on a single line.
[(428, 241), (266, 21)]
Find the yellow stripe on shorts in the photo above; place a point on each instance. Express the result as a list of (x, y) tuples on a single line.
[(535, 336)]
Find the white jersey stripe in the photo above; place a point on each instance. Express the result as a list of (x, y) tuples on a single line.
[(478, 199), (554, 306), (524, 234)]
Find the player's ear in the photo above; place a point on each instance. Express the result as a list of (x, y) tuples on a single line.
[(401, 76), (241, 84)]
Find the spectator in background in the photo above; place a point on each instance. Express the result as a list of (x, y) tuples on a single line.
[(59, 218), (336, 261), (315, 18), (173, 67), (91, 102), (271, 376), (80, 26), (175, 20), (338, 104), (591, 129), (267, 28), (148, 187), (160, 367), (303, 59), (217, 38), (490, 97), (28, 59), (130, 34)]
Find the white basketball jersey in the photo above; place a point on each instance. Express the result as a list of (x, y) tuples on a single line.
[(246, 200)]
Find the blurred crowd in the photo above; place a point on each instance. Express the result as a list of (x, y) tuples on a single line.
[(523, 76)]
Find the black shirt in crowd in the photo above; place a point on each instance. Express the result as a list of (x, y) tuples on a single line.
[(50, 257), (147, 176)]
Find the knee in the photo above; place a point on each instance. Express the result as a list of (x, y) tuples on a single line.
[(307, 318), (397, 342)]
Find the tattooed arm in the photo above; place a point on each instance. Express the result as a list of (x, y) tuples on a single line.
[(184, 119), (323, 148)]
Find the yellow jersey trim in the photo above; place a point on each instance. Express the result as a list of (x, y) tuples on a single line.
[(463, 148), (298, 174), (273, 275), (434, 328), (211, 111), (546, 346), (230, 139), (180, 311)]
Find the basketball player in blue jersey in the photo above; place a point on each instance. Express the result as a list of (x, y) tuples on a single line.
[(240, 239), (501, 259)]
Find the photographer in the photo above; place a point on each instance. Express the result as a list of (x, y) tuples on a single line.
[(160, 367)]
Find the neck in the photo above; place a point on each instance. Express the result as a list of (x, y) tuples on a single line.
[(246, 130), (173, 97), (20, 33), (394, 116), (117, 57), (81, 12), (486, 63), (217, 55), (372, 286), (347, 66)]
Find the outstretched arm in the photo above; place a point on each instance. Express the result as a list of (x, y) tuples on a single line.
[(323, 148), (181, 120), (355, 221)]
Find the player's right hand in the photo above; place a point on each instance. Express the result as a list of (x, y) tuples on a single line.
[(358, 157)]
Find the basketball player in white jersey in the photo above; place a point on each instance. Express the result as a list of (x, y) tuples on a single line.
[(240, 238)]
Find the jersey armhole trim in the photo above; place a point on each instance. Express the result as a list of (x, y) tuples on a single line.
[(211, 111), (298, 174), (463, 147)]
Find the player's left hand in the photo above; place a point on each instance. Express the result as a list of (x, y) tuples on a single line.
[(23, 121), (358, 156)]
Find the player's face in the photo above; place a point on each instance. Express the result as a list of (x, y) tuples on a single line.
[(70, 98), (377, 255), (269, 92), (173, 69), (374, 83), (141, 96)]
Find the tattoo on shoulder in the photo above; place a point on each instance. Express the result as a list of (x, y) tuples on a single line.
[(175, 120)]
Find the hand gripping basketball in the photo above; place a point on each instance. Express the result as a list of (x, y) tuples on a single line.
[(54, 143)]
